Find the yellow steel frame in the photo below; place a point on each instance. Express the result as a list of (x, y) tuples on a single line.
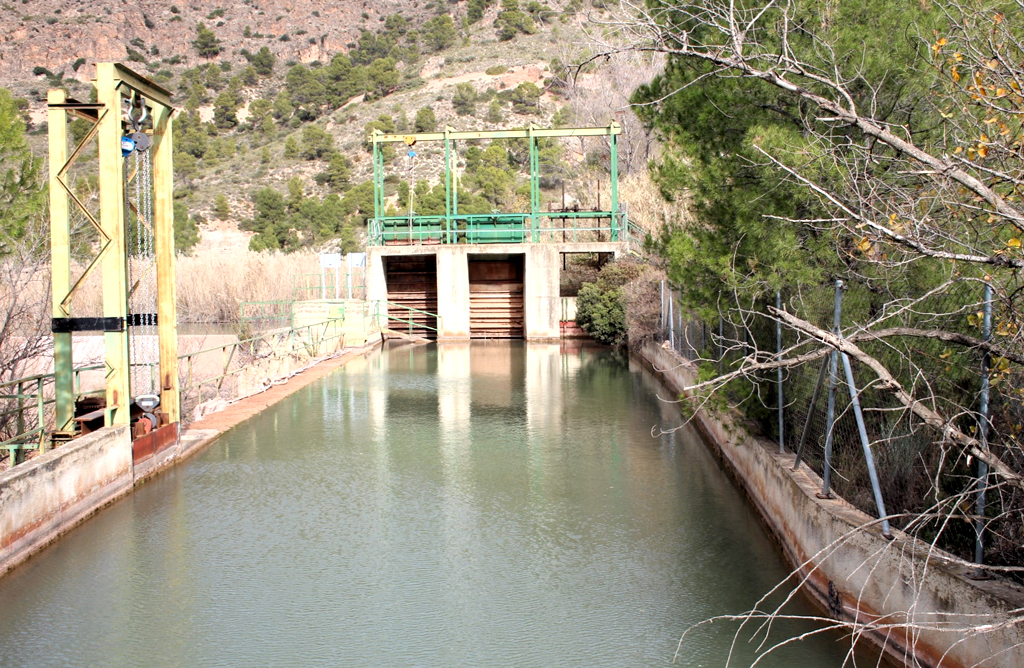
[(113, 83)]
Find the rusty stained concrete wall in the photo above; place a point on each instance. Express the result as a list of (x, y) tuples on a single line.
[(50, 494), (831, 542)]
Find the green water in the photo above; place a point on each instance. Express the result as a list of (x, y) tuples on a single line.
[(493, 504)]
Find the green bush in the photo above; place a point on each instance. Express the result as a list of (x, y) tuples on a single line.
[(600, 309)]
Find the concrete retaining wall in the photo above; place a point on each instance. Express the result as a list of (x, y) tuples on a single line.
[(850, 569), (48, 495)]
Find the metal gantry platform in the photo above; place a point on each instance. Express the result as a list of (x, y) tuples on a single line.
[(497, 226)]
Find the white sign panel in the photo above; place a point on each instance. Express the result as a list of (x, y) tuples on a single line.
[(330, 260)]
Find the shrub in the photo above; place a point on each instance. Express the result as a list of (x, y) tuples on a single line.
[(495, 70), (600, 307), (206, 42), (464, 99), (426, 121), (439, 33)]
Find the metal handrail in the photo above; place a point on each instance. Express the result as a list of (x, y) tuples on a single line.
[(409, 321), (307, 337), (432, 227)]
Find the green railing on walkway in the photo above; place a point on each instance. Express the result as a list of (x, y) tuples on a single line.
[(26, 404), (551, 227), (261, 313), (410, 322)]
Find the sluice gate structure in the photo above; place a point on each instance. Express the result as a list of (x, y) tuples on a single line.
[(495, 275)]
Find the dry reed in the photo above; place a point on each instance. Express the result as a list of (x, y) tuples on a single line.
[(647, 208), (211, 286)]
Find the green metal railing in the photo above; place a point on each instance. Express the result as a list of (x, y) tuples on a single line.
[(568, 309), (26, 404), (347, 283), (261, 313), (553, 226), (501, 227), (237, 357), (411, 323)]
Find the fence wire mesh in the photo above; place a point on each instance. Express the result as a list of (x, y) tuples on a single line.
[(908, 454)]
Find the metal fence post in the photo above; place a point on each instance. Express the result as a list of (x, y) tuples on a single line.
[(663, 310), (778, 349), (41, 414), (830, 418), (866, 446), (671, 322), (986, 363)]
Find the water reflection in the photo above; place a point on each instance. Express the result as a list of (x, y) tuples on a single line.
[(484, 504)]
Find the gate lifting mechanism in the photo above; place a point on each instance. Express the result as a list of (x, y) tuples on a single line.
[(131, 123)]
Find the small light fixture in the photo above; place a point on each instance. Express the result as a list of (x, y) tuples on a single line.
[(147, 402)]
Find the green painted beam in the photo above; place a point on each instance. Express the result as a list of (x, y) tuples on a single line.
[(379, 137)]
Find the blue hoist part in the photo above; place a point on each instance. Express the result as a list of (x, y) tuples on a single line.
[(137, 140)]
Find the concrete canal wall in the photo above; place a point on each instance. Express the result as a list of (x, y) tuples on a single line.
[(848, 567), (49, 494)]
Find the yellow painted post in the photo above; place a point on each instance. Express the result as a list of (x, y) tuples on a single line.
[(60, 261), (115, 269), (163, 226)]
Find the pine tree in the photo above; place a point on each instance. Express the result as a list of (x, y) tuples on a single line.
[(221, 208), (22, 194), (206, 42)]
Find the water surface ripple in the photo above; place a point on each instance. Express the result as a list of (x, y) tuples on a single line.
[(493, 504)]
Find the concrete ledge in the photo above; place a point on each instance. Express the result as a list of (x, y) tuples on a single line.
[(846, 565), (52, 493)]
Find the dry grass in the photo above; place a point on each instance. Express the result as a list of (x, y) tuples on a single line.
[(647, 208), (211, 286)]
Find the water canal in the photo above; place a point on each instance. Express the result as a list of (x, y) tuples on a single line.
[(485, 504)]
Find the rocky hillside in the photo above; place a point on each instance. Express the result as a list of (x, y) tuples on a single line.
[(276, 99), (67, 36)]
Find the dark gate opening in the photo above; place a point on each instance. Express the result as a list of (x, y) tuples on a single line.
[(412, 294), (496, 306)]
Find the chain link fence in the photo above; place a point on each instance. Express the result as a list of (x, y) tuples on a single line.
[(865, 445)]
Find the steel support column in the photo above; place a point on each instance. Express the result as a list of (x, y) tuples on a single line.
[(163, 232), (60, 261), (115, 262), (614, 169)]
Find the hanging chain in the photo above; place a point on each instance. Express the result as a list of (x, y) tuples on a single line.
[(144, 345), (152, 343)]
